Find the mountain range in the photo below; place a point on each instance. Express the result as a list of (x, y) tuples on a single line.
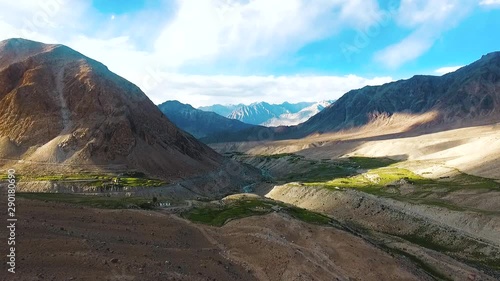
[(223, 110), (468, 96), (197, 122), (265, 114), (291, 119)]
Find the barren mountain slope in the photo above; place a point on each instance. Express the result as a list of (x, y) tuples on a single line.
[(470, 93), (61, 111)]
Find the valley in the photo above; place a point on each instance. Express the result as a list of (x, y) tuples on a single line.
[(407, 193), (435, 224), (375, 186)]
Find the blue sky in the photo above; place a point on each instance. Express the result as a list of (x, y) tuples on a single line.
[(110, 7), (230, 51)]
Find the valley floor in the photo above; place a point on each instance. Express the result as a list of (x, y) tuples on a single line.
[(432, 196), (58, 241), (391, 206)]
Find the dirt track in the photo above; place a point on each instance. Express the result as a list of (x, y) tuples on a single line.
[(65, 242)]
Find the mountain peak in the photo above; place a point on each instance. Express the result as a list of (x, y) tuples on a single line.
[(176, 104), (25, 46), (18, 50), (492, 55), (466, 95), (266, 114), (61, 107), (16, 42)]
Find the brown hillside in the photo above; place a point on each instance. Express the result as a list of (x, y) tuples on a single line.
[(60, 110)]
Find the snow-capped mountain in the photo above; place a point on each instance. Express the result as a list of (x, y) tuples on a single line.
[(257, 113), (223, 110), (291, 119), (266, 114)]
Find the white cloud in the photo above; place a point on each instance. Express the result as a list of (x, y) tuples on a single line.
[(427, 19), (241, 30), (117, 53), (206, 90), (200, 32), (490, 3), (447, 69), (414, 13), (406, 50), (51, 21)]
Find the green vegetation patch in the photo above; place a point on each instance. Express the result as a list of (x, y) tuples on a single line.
[(465, 249), (437, 275), (326, 170), (388, 180), (92, 200), (375, 178), (470, 181), (4, 176), (280, 155), (374, 173), (218, 215), (493, 263), (291, 158), (372, 163), (137, 182), (308, 216), (132, 179), (428, 242), (366, 172)]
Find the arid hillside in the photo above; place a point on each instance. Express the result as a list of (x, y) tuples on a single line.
[(79, 243), (62, 111), (469, 94)]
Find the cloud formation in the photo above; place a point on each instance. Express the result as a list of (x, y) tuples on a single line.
[(489, 3), (447, 69), (161, 48), (427, 20), (201, 90), (202, 32), (244, 30)]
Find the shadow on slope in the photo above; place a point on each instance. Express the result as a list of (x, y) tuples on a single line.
[(466, 96)]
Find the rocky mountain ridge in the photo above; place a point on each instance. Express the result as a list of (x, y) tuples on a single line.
[(265, 114), (466, 97), (197, 122)]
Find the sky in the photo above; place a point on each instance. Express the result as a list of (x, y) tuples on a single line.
[(205, 52)]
